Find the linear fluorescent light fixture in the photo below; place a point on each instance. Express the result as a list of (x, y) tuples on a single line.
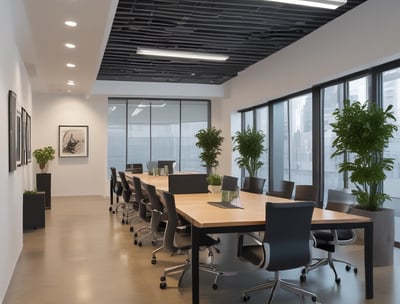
[(180, 54), (328, 4)]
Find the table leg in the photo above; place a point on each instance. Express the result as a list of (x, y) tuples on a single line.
[(368, 260), (195, 265)]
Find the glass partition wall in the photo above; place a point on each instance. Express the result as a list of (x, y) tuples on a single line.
[(143, 130)]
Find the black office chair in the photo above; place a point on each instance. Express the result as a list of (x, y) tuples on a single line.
[(284, 189), (169, 163), (306, 193), (328, 239), (187, 183), (129, 205), (115, 189), (134, 168), (145, 212), (229, 183), (253, 184), (177, 238), (287, 242)]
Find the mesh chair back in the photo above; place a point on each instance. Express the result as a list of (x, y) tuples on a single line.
[(253, 184), (126, 192), (284, 189), (306, 193), (229, 183), (169, 163), (157, 208), (287, 232), (116, 186), (173, 220), (134, 168), (187, 183)]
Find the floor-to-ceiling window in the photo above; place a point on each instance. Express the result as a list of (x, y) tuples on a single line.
[(143, 130), (390, 92)]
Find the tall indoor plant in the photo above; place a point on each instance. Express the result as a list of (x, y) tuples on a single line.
[(43, 155), (249, 143), (362, 133), (364, 130), (210, 141)]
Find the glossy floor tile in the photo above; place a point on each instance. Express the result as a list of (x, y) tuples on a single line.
[(85, 255)]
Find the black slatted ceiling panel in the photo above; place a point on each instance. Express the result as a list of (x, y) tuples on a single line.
[(246, 30)]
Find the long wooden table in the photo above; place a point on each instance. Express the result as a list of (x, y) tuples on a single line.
[(207, 218)]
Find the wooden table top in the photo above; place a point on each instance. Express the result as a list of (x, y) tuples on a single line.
[(196, 208), (202, 214)]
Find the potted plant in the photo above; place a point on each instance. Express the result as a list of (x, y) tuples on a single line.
[(364, 130), (214, 183), (210, 141), (250, 145), (43, 155)]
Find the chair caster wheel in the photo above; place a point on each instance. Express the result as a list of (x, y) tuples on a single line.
[(348, 267), (337, 281), (135, 235), (245, 298), (303, 278), (135, 242), (303, 271), (131, 229), (109, 209), (139, 244), (153, 260), (154, 243), (314, 299), (163, 285), (123, 222), (355, 270), (113, 212), (215, 286)]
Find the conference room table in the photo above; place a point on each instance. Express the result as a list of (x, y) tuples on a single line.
[(207, 215)]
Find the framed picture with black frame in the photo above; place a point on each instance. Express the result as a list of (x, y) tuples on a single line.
[(12, 134), (24, 114), (73, 141), (19, 138)]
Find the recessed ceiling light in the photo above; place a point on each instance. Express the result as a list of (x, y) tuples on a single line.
[(71, 82), (328, 4), (181, 54), (70, 23), (70, 65), (70, 45)]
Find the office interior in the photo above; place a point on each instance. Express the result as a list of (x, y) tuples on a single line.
[(363, 38)]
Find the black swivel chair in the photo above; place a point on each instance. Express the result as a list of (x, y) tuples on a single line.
[(328, 239), (284, 189), (253, 184), (129, 206), (145, 212), (306, 193), (169, 163), (177, 238), (229, 183), (115, 189), (287, 243), (134, 168)]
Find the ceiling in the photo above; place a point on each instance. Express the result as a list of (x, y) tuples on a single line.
[(246, 30)]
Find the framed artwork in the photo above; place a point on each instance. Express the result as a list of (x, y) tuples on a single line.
[(12, 134), (19, 138), (24, 114), (28, 138), (73, 141)]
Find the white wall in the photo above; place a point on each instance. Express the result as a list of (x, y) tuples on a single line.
[(72, 176), (362, 38), (12, 77)]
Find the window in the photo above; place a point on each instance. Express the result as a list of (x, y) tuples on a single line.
[(142, 130)]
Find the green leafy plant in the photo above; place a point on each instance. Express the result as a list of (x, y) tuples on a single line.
[(30, 192), (214, 179), (210, 141), (364, 131), (43, 155), (249, 144)]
